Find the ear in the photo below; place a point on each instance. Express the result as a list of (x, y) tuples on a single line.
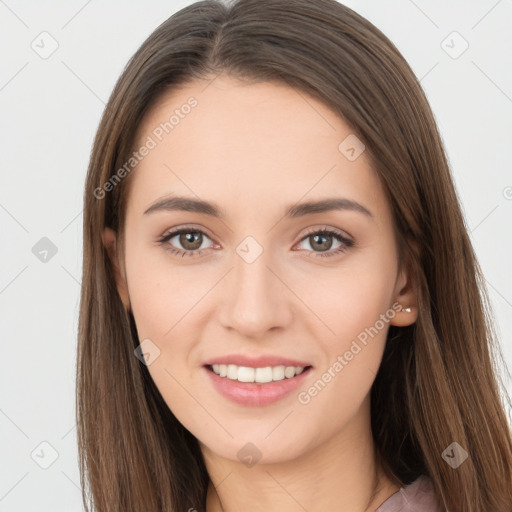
[(406, 296), (109, 241)]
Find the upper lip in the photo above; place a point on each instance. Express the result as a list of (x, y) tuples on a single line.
[(256, 362)]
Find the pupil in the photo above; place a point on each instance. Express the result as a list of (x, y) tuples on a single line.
[(317, 237), (188, 238)]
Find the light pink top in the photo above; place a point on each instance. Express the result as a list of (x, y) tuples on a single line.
[(416, 497)]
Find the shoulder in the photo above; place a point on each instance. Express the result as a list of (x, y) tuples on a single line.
[(419, 495)]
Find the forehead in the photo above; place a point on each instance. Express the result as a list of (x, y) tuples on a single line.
[(249, 145)]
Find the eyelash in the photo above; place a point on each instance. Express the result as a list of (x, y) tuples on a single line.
[(346, 243)]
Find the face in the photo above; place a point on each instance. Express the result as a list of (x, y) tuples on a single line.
[(257, 284)]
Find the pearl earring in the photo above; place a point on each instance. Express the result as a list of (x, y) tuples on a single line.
[(407, 310)]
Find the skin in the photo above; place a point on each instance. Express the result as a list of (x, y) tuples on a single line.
[(254, 149)]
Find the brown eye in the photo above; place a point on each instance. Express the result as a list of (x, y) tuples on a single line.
[(321, 241), (187, 241), (191, 240)]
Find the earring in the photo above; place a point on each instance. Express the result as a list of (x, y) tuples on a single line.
[(407, 310)]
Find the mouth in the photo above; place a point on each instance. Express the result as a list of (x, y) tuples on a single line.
[(256, 380), (256, 386), (257, 375)]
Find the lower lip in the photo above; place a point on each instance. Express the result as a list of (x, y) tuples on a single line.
[(253, 394)]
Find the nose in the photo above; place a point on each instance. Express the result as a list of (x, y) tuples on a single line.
[(256, 298)]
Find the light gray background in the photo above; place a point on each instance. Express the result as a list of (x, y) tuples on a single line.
[(50, 109)]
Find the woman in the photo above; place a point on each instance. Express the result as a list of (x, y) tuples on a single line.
[(281, 307)]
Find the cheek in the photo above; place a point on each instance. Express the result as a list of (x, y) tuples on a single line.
[(354, 305), (342, 383), (348, 298), (162, 296), (162, 301), (169, 302)]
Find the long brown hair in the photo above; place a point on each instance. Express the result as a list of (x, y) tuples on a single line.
[(439, 381)]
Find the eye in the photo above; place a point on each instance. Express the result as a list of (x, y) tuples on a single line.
[(322, 240), (191, 239)]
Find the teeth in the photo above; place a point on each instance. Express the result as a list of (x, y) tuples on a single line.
[(263, 374), (278, 373), (260, 375)]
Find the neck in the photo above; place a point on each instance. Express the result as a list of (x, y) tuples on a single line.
[(341, 475)]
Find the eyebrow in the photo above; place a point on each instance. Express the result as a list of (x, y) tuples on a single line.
[(187, 204)]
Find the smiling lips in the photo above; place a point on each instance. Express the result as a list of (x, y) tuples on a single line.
[(256, 381), (259, 375)]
